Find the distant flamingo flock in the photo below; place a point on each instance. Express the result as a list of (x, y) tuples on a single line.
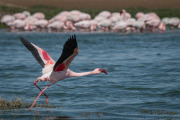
[(75, 20)]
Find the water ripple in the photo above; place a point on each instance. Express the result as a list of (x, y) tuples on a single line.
[(143, 76)]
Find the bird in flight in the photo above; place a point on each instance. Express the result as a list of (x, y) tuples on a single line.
[(55, 71)]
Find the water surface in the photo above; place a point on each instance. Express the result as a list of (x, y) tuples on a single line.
[(142, 81)]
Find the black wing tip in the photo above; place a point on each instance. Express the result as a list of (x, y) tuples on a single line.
[(72, 37), (71, 41), (21, 38)]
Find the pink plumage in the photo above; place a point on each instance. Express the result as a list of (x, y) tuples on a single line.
[(54, 72)]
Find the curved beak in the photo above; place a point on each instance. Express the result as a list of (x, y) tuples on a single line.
[(104, 71)]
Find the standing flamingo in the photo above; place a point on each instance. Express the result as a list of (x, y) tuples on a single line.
[(54, 72)]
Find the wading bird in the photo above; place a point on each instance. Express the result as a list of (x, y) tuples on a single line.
[(54, 72)]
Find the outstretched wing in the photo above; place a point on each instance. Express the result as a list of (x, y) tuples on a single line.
[(70, 50), (39, 54)]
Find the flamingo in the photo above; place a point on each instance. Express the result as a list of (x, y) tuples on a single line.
[(19, 23), (166, 20), (20, 16), (125, 15), (105, 14), (105, 24), (139, 15), (93, 26), (152, 23), (83, 24), (54, 72), (56, 25), (7, 19), (139, 25), (69, 25), (179, 26), (41, 24), (162, 27), (85, 16), (174, 21), (120, 26), (26, 13), (39, 15), (58, 18)]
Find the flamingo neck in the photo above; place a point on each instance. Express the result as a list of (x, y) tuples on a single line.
[(75, 74)]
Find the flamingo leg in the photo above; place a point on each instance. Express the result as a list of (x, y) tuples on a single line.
[(41, 90), (39, 96)]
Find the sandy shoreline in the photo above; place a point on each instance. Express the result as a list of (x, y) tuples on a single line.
[(98, 4)]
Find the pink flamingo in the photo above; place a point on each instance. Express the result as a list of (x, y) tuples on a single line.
[(105, 14), (83, 25), (93, 26), (20, 16), (54, 72), (7, 19), (179, 26), (39, 15), (17, 24), (125, 15), (139, 15), (153, 23), (70, 26), (162, 27), (85, 16), (56, 25), (120, 26), (105, 24), (41, 24)]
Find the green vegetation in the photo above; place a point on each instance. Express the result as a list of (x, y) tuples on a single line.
[(17, 103), (11, 10), (52, 11), (171, 12), (158, 112)]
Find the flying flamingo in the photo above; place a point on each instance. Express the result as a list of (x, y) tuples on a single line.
[(54, 72)]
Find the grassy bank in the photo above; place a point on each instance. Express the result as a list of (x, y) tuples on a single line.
[(52, 11), (17, 103)]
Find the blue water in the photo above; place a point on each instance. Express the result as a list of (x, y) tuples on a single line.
[(143, 80)]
